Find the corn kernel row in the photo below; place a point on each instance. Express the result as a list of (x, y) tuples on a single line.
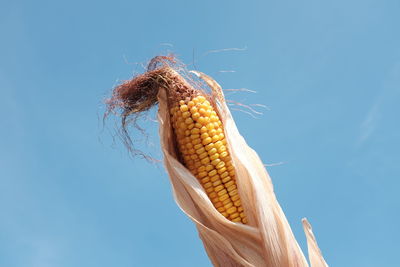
[(202, 144)]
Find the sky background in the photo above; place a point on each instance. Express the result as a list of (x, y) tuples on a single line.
[(328, 71)]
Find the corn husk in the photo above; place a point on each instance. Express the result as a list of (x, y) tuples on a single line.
[(267, 240)]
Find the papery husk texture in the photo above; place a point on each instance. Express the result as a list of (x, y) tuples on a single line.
[(267, 240)]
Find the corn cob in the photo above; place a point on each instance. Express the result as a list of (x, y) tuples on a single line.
[(202, 145), (199, 132), (198, 142)]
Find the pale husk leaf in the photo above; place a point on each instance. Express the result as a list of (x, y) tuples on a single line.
[(314, 253), (267, 240)]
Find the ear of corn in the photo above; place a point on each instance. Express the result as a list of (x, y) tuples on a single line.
[(202, 145), (200, 141)]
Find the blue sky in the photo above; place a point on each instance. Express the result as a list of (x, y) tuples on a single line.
[(329, 71)]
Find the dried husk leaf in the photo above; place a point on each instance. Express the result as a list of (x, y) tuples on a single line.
[(267, 240), (314, 253)]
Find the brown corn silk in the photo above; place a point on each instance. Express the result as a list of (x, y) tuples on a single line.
[(267, 239)]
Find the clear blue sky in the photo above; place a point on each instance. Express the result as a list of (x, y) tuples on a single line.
[(329, 71)]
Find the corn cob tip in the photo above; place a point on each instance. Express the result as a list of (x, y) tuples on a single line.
[(199, 134)]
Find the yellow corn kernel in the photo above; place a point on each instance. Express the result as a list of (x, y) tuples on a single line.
[(213, 195), (221, 192), (231, 210), (221, 209), (237, 204), (202, 174), (231, 188), (215, 138), (214, 157), (195, 131), (219, 188), (228, 205), (218, 182), (204, 180), (209, 190), (212, 132), (224, 197), (220, 165), (209, 167), (193, 109), (209, 147), (198, 146), (203, 155), (215, 162), (188, 121), (234, 215), (212, 173), (204, 135), (186, 114), (200, 150), (210, 127), (212, 151), (221, 170), (207, 140), (205, 160), (226, 179), (238, 219), (215, 178), (207, 185), (196, 116)]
